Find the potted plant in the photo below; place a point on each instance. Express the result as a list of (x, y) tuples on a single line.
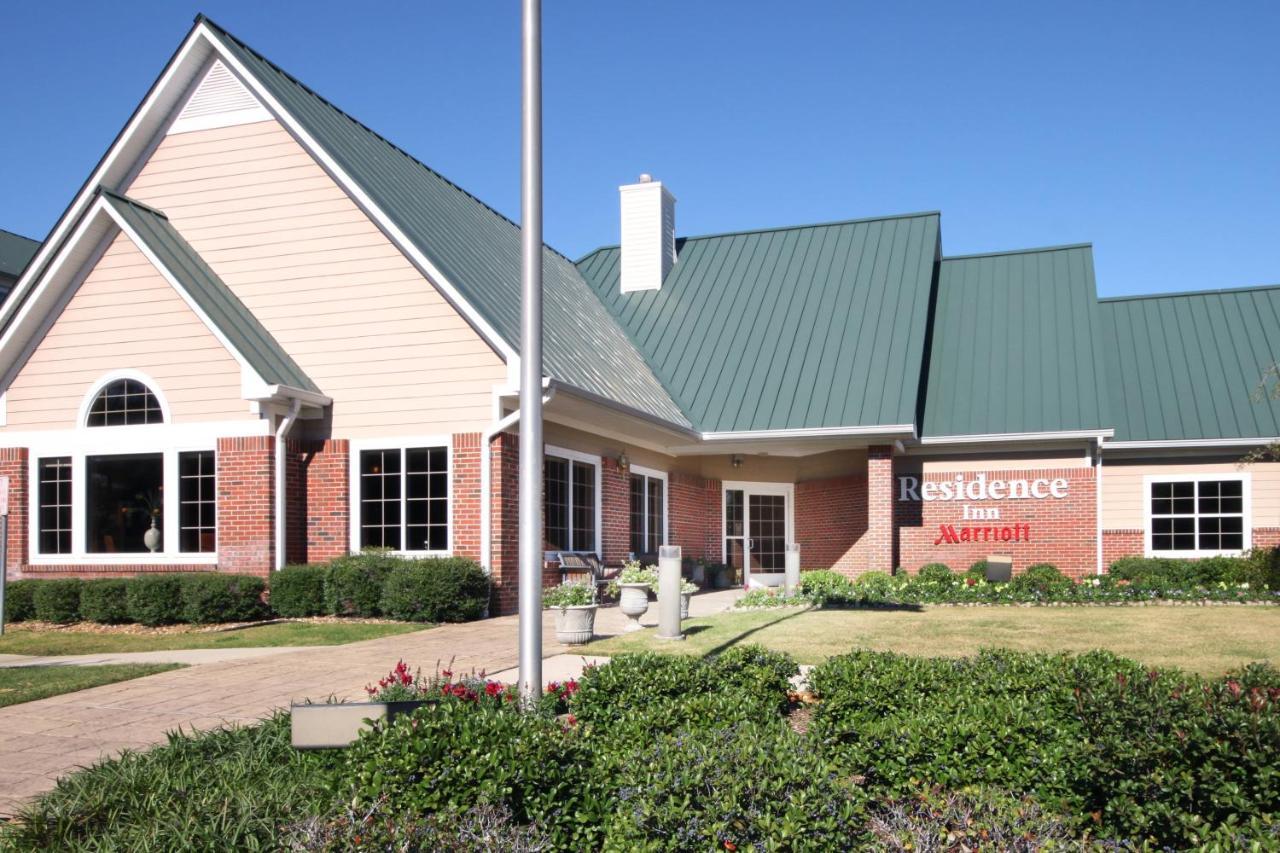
[(634, 585), (687, 589), (575, 604), (718, 576)]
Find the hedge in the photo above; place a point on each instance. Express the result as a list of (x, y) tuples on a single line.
[(19, 600), (58, 600), (213, 597), (155, 599), (105, 601), (353, 584), (439, 589), (298, 591)]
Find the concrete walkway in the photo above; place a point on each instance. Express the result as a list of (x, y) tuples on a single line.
[(187, 656), (42, 740)]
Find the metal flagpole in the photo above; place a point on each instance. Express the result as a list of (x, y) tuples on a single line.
[(531, 356)]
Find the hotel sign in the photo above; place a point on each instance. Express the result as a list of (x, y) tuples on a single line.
[(968, 492)]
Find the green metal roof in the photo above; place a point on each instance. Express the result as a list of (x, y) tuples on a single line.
[(817, 326), (1185, 365), (241, 328), (476, 248), (1016, 345), (15, 252)]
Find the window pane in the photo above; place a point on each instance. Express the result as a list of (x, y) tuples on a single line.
[(124, 402), (637, 514), (1191, 515), (655, 515), (380, 499), (54, 509), (733, 513), (584, 507), (197, 502), (555, 479), (427, 499), (123, 494)]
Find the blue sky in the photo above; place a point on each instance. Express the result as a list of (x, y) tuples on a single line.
[(1151, 130)]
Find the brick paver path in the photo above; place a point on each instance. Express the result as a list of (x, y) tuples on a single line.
[(42, 740)]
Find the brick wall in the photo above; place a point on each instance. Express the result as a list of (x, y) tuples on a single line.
[(693, 516), (1061, 531), (831, 524), (317, 510), (615, 511), (13, 464), (504, 461), (246, 511), (1121, 543), (465, 511)]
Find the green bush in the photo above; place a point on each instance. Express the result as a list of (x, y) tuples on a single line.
[(19, 600), (353, 584), (823, 585), (298, 591), (1260, 568), (105, 601), (436, 589), (209, 598), (634, 682), (978, 819), (1042, 579), (154, 599), (753, 669), (58, 600), (1128, 752), (935, 572), (978, 570)]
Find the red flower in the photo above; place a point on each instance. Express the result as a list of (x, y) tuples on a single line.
[(1233, 687)]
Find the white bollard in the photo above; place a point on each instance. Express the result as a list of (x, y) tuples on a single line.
[(792, 566), (669, 593)]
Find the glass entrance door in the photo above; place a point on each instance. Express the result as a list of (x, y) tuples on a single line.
[(757, 523)]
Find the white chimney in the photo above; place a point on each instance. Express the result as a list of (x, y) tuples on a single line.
[(648, 234)]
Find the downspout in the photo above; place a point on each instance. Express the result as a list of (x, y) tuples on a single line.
[(282, 430), (486, 477), (1097, 502)]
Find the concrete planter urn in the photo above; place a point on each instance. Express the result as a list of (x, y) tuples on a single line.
[(575, 625), (633, 601)]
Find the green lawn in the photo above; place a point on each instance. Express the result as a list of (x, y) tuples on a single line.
[(1207, 640), (28, 683), (20, 640)]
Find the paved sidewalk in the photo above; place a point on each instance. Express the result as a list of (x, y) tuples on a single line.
[(42, 740), (187, 656)]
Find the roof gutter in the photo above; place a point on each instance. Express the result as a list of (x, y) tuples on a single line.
[(908, 430), (1191, 443), (992, 438)]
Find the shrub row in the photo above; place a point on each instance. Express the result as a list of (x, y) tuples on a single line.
[(434, 589), (159, 599)]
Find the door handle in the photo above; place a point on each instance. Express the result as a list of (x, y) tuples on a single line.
[(751, 544)]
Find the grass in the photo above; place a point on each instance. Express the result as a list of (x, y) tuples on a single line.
[(1206, 640), (19, 639), (28, 683)]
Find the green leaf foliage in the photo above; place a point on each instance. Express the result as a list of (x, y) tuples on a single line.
[(19, 600), (298, 591), (105, 601), (155, 599), (58, 600), (353, 585), (435, 589), (209, 598)]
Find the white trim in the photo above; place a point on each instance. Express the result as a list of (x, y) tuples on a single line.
[(132, 439), (548, 451), (4, 408), (82, 416), (748, 488), (169, 440), (815, 432), (1097, 505), (433, 274), (654, 474), (1174, 444), (401, 443), (1061, 435), (1246, 491)]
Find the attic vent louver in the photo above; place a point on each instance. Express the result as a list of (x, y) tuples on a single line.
[(220, 100)]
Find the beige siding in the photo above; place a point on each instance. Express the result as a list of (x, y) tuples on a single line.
[(1123, 498), (361, 321), (126, 316)]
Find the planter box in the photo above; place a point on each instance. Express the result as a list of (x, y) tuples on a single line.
[(338, 725), (575, 624)]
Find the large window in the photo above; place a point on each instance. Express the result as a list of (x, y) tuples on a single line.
[(404, 498), (124, 402), (54, 505), (569, 513), (124, 498), (648, 512), (1198, 516)]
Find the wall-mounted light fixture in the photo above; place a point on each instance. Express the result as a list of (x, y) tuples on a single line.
[(623, 462), (737, 461)]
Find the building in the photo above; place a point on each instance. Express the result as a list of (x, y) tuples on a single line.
[(272, 336), (15, 252)]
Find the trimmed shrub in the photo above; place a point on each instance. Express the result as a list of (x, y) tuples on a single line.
[(298, 591), (105, 601), (935, 572), (1260, 568), (1041, 579), (58, 600), (353, 584), (978, 570), (971, 820), (19, 600), (436, 589), (209, 598), (755, 670), (154, 599), (823, 585)]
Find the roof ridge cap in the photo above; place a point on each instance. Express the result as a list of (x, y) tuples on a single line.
[(1211, 291), (1029, 251)]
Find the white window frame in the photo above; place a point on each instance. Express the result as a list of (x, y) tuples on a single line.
[(82, 418), (575, 456), (1246, 489), (748, 488), (655, 474), (401, 443)]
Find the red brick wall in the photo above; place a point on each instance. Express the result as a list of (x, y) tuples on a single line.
[(1121, 543), (693, 516), (1062, 531), (317, 510), (831, 524), (504, 557), (13, 464), (246, 511), (1266, 537), (465, 511), (615, 511)]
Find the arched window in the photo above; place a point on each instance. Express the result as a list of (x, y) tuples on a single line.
[(124, 402)]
